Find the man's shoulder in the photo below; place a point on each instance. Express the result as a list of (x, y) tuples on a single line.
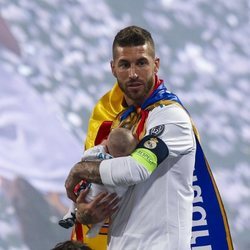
[(169, 108), (171, 113)]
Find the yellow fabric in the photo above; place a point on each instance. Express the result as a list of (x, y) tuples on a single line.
[(106, 109)]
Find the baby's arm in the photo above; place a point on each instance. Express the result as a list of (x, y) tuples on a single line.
[(96, 153)]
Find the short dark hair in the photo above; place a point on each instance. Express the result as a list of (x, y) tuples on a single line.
[(71, 245), (133, 36)]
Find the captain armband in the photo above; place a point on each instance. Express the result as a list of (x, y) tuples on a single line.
[(150, 152)]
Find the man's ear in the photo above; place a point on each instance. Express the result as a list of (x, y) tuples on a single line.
[(157, 64), (112, 66)]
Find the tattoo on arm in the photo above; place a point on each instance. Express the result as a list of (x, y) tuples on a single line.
[(84, 218), (89, 170)]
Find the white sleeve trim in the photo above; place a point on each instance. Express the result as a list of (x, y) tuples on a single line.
[(122, 171)]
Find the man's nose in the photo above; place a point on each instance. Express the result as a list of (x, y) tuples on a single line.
[(132, 73)]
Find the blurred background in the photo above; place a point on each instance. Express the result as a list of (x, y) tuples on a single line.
[(54, 65)]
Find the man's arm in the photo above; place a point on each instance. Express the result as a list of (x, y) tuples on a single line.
[(131, 170), (88, 170), (103, 206)]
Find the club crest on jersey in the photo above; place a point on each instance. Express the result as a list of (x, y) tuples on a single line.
[(151, 143), (157, 131)]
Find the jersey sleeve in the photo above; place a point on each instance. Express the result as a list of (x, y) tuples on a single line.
[(122, 171)]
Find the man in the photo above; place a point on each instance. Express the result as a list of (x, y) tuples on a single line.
[(156, 211)]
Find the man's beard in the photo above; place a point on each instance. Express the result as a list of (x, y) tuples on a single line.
[(138, 97)]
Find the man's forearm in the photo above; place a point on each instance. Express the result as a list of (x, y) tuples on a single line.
[(88, 170)]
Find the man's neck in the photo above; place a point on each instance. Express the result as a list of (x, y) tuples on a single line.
[(128, 102)]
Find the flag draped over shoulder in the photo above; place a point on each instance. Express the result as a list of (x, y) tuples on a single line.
[(210, 227)]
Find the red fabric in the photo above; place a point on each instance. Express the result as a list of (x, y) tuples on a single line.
[(79, 231), (144, 113), (144, 116), (158, 82), (77, 187), (103, 132)]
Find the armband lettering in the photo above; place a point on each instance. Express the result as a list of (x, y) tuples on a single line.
[(150, 152)]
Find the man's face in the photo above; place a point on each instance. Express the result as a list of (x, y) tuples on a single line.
[(135, 67)]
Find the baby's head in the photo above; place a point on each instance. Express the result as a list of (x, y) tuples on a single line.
[(121, 142)]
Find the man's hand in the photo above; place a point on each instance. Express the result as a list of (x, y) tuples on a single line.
[(103, 206), (82, 170), (72, 180)]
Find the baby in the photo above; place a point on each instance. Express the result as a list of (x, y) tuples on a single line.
[(120, 142)]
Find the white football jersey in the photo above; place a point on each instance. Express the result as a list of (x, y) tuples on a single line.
[(156, 211)]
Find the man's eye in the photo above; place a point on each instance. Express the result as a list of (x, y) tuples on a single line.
[(141, 63), (124, 65)]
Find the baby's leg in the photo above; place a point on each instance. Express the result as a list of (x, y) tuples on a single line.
[(70, 211), (69, 218)]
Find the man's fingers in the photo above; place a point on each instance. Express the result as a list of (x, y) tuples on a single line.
[(82, 195), (114, 203), (108, 200), (99, 198), (108, 205), (69, 186), (72, 180), (71, 195), (112, 206), (70, 189)]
